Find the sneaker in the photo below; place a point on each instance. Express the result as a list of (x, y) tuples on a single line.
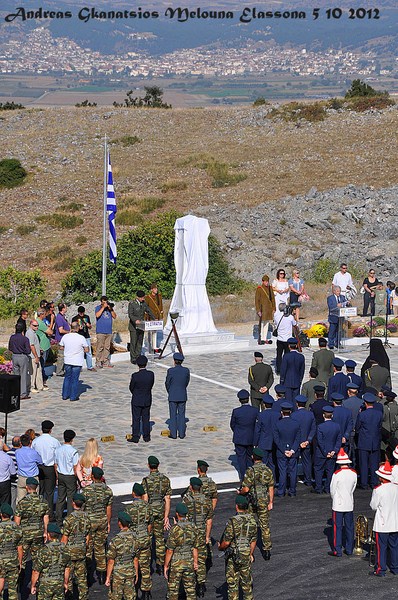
[(45, 388), (34, 391)]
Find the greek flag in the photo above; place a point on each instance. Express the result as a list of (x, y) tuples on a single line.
[(111, 210)]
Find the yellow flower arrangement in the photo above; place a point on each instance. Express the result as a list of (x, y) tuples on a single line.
[(317, 330)]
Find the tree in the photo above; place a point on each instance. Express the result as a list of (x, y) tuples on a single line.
[(145, 254), (360, 88), (12, 173), (19, 289), (153, 99)]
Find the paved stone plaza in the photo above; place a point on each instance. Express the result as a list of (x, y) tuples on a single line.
[(104, 409)]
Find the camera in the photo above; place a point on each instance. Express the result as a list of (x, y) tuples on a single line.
[(111, 305), (290, 308)]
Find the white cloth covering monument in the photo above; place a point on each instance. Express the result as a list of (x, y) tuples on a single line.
[(191, 258)]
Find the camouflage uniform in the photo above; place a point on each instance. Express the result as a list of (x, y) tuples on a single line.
[(209, 488), (200, 510), (183, 538), (77, 527), (259, 479), (10, 539), (241, 531), (141, 516), (98, 497), (157, 486), (122, 549), (31, 509), (51, 561)]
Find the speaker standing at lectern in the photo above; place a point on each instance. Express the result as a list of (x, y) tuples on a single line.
[(335, 301)]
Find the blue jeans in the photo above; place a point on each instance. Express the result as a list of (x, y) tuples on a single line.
[(70, 386), (88, 355)]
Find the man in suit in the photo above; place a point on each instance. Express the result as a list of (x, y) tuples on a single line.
[(243, 422), (368, 429), (322, 360), (177, 380), (292, 370), (260, 379), (342, 416), (335, 302), (352, 376), (306, 420), (328, 443), (338, 383), (141, 385), (263, 433), (137, 310), (287, 441)]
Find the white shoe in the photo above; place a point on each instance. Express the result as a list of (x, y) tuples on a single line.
[(34, 391)]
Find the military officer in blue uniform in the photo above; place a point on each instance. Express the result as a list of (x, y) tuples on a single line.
[(280, 391), (317, 406), (342, 416), (338, 383), (177, 380), (292, 371), (368, 429), (264, 430), (287, 440), (352, 376), (243, 422), (306, 420), (353, 403), (328, 443)]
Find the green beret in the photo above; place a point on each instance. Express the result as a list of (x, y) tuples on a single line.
[(6, 509), (241, 501), (182, 509), (123, 516), (53, 528), (77, 497), (153, 461), (138, 489), (32, 481), (202, 463), (258, 453), (97, 473), (196, 481)]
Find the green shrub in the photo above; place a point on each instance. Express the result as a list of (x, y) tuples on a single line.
[(145, 254), (360, 89), (85, 104), (361, 104), (218, 171), (174, 185), (335, 103), (295, 111), (71, 207), (23, 230), (10, 106), (60, 221), (127, 140), (12, 173), (325, 268), (19, 289), (148, 205), (3, 229), (260, 101), (80, 240), (129, 217)]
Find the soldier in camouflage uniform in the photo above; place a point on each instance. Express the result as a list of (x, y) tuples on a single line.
[(122, 569), (98, 506), (239, 542), (51, 567), (259, 484), (141, 524), (209, 488), (32, 514), (76, 534), (11, 551), (200, 512), (157, 493), (181, 560)]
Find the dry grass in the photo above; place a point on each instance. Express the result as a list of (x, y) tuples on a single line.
[(278, 159)]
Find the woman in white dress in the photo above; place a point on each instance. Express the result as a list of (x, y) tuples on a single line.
[(281, 288)]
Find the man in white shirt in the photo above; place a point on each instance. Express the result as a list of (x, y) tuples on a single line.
[(66, 461), (46, 445), (74, 346), (343, 279), (385, 502), (342, 487), (284, 324)]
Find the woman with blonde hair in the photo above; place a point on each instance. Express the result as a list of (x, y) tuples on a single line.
[(89, 459)]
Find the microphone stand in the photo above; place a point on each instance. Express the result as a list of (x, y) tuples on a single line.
[(386, 344)]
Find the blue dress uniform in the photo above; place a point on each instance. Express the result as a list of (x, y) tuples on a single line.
[(287, 437), (243, 422), (368, 428), (292, 372), (280, 390), (177, 380), (343, 417), (328, 439), (306, 420), (338, 383), (317, 409), (353, 377), (264, 431)]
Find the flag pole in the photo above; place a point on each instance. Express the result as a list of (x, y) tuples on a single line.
[(104, 218)]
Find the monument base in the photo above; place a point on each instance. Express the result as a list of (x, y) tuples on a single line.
[(198, 343)]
